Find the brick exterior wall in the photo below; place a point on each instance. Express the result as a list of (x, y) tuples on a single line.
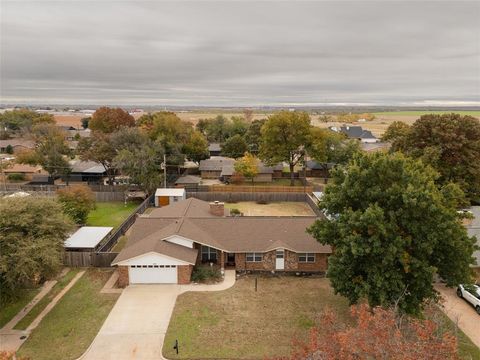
[(217, 208), (210, 174), (291, 262), (123, 280), (267, 264), (184, 273)]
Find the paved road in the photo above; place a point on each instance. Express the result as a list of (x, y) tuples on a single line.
[(462, 313), (136, 326)]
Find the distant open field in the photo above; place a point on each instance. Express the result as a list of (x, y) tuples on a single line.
[(475, 113), (377, 126)]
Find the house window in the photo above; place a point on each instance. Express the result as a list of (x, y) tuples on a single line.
[(306, 257), (209, 254), (254, 257)]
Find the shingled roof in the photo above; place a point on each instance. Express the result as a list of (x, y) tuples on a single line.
[(192, 219)]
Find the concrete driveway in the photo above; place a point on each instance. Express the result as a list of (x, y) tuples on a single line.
[(461, 313), (136, 326)]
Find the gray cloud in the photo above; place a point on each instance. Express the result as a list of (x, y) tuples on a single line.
[(240, 53)]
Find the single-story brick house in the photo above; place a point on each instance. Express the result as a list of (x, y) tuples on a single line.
[(223, 168), (164, 247), (17, 145)]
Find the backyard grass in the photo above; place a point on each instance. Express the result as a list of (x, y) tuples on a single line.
[(281, 208), (8, 309), (275, 182), (240, 323), (38, 308), (67, 331), (110, 213)]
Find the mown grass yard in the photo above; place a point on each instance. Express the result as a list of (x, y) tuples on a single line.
[(280, 208), (42, 304), (10, 308), (110, 213), (67, 331), (240, 323)]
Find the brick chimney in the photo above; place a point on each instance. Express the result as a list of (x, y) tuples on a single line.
[(217, 208)]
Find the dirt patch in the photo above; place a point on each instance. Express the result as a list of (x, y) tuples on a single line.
[(282, 208)]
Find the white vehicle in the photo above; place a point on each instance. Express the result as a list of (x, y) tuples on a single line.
[(470, 293)]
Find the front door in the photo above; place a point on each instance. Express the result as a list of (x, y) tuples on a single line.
[(230, 259), (280, 260)]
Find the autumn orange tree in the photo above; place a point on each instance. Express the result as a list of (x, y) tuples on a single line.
[(376, 334), (77, 201), (108, 120)]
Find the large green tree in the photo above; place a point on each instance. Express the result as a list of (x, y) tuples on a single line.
[(108, 120), (450, 143), (285, 137), (234, 147), (23, 119), (51, 150), (99, 148), (143, 164), (196, 148), (391, 230), (32, 232), (253, 136)]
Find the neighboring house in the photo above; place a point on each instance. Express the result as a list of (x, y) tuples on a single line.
[(372, 147), (17, 145), (214, 149), (223, 168), (28, 171), (212, 168), (165, 246), (86, 171), (87, 238), (188, 181), (77, 134), (356, 132), (316, 169), (166, 196)]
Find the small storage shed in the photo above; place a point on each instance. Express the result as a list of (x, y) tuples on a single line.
[(166, 196), (87, 238)]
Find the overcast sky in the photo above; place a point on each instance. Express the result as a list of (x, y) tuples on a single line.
[(241, 53)]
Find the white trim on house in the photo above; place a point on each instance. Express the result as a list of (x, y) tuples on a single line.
[(154, 259), (307, 255), (180, 240)]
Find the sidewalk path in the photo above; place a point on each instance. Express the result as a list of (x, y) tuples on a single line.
[(461, 313), (10, 339), (140, 319)]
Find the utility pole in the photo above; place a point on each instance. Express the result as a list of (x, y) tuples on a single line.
[(165, 171)]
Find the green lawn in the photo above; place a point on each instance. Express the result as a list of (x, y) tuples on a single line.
[(67, 331), (240, 323), (110, 213), (38, 308), (9, 309), (420, 112)]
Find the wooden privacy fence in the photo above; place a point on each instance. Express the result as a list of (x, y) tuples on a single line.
[(233, 197), (122, 229), (88, 258), (260, 189)]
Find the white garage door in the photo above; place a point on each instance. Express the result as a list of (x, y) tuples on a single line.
[(152, 274)]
